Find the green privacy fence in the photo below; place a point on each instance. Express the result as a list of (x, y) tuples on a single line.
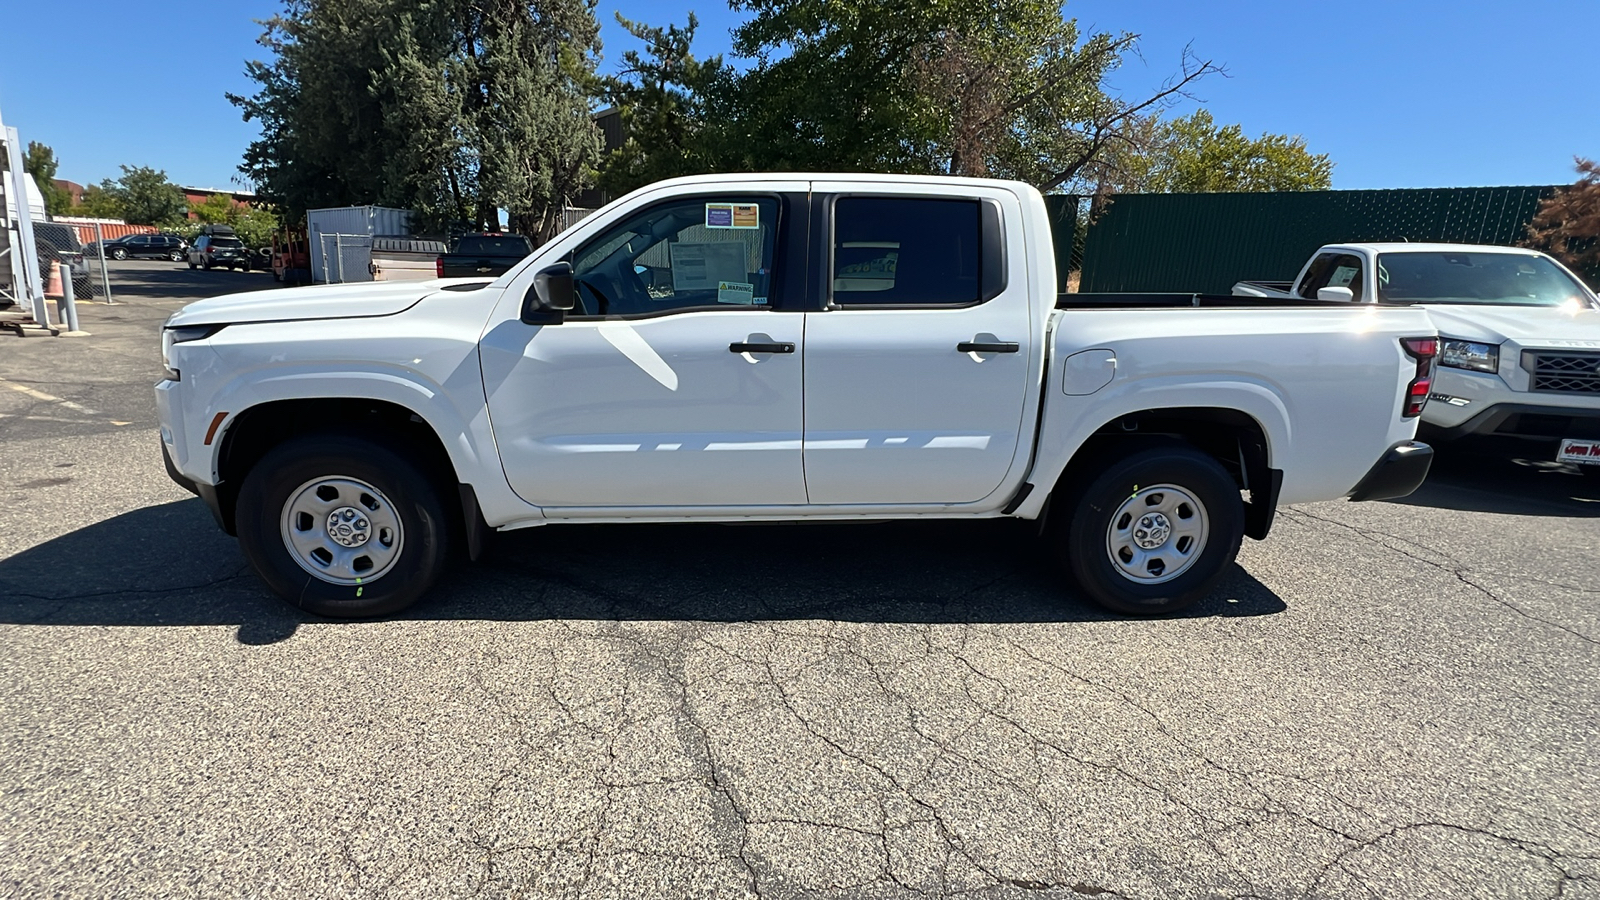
[(1206, 242)]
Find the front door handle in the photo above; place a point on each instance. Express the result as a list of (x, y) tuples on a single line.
[(761, 347), (988, 347)]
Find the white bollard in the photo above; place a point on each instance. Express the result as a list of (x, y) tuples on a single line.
[(67, 306)]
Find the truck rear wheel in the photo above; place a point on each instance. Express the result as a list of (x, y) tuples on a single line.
[(1154, 530), (341, 526)]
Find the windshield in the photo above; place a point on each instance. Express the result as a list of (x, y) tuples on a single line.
[(1494, 279)]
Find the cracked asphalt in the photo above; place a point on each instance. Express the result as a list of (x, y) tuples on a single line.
[(1381, 700)]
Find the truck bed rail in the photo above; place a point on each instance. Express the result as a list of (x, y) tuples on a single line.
[(1198, 301)]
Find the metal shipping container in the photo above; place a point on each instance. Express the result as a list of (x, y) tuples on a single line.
[(341, 239)]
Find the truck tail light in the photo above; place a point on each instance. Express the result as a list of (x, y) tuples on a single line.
[(438, 267), (1426, 353)]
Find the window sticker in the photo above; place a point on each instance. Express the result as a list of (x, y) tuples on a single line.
[(739, 292), (701, 267), (733, 215)]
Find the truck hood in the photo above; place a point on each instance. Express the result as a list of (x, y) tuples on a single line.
[(1527, 326), (331, 301)]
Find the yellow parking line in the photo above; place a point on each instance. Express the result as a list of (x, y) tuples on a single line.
[(48, 398)]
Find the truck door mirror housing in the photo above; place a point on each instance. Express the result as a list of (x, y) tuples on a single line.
[(1339, 294), (552, 295)]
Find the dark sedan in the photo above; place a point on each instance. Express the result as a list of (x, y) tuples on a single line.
[(145, 246)]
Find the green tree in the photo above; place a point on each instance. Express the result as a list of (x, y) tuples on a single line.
[(100, 201), (453, 108), (217, 209), (665, 97), (1009, 88), (1193, 155), (40, 162), (147, 197)]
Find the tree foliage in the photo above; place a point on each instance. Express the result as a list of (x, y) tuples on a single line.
[(253, 224), (453, 108), (666, 99), (98, 202), (1007, 88), (1567, 225), (1194, 155), (40, 162), (141, 196)]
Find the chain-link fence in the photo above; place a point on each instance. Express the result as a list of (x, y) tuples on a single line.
[(58, 243), (342, 258)]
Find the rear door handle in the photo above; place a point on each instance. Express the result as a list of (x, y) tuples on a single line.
[(761, 347), (988, 347)]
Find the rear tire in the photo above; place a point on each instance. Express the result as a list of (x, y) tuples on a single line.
[(1153, 531), (294, 503)]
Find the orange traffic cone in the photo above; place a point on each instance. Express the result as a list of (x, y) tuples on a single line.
[(52, 287)]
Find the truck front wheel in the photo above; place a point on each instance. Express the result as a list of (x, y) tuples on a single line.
[(1154, 530), (342, 526)]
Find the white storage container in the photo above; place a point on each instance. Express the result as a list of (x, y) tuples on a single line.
[(341, 239)]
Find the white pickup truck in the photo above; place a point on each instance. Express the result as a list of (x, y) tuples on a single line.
[(780, 347), (1521, 335)]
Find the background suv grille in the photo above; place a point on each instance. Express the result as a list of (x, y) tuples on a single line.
[(1566, 373)]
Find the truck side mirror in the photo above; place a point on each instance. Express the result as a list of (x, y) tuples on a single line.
[(1339, 294), (552, 295)]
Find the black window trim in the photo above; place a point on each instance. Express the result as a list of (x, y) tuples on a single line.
[(787, 295), (991, 248)]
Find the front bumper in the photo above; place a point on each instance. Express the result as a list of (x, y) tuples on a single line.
[(206, 492), (1525, 420), (1400, 471)]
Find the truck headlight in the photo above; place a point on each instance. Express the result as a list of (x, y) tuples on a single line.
[(171, 337), (1470, 355)]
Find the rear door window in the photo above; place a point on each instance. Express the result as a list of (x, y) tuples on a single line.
[(906, 251)]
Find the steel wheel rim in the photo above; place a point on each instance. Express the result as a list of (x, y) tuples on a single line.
[(1157, 534), (341, 530)]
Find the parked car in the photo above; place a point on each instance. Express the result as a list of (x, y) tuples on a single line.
[(219, 250), (1521, 354), (57, 242), (687, 354), (480, 255), (144, 246)]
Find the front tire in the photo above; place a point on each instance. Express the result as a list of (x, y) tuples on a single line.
[(341, 526), (1154, 530), (175, 256), (119, 254)]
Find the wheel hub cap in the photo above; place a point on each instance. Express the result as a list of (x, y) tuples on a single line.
[(1152, 531), (1157, 534), (342, 530), (349, 528)]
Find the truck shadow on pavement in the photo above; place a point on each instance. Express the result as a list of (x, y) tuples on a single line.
[(163, 280), (1507, 477), (129, 571)]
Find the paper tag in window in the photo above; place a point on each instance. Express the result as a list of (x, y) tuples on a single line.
[(733, 215), (736, 292)]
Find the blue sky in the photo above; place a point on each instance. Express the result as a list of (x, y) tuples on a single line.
[(1401, 93)]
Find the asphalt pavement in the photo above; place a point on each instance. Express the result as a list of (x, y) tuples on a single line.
[(1391, 699)]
